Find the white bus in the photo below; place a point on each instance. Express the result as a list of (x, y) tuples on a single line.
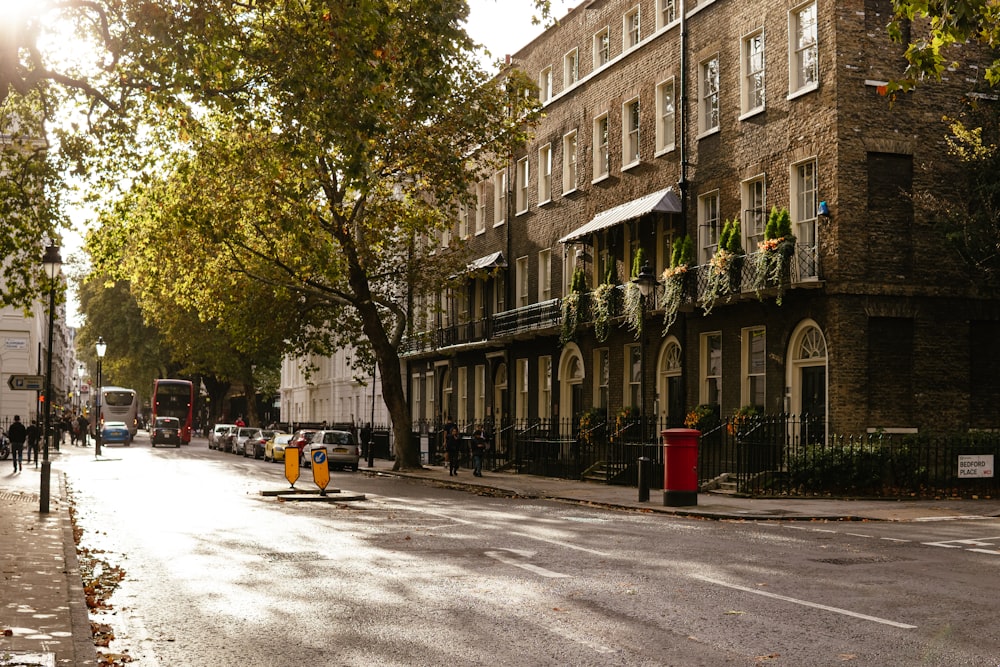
[(118, 404)]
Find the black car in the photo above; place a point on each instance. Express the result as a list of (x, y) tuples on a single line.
[(167, 431)]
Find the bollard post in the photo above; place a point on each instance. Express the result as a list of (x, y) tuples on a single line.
[(645, 470)]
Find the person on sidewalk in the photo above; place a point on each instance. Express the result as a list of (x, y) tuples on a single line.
[(34, 436), (17, 434), (479, 445), (452, 449), (83, 426)]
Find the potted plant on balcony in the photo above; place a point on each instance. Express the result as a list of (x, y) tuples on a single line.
[(675, 280), (571, 306), (725, 266), (774, 261), (601, 304)]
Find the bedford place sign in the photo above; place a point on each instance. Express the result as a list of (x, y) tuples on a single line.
[(975, 465)]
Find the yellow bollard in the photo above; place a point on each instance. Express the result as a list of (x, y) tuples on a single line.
[(292, 465)]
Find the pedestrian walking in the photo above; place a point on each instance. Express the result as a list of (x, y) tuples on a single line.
[(34, 436), (479, 446), (452, 449), (83, 426), (17, 434)]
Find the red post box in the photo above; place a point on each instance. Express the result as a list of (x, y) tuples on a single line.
[(680, 463)]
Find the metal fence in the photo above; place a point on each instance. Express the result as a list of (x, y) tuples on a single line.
[(777, 455)]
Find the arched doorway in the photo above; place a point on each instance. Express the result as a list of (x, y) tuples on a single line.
[(670, 384), (807, 379), (571, 376)]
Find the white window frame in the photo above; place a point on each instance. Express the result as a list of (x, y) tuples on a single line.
[(753, 197), (462, 414), (709, 225), (631, 117), (602, 48), (803, 49), (521, 383), (602, 157), (710, 373), (570, 162), (545, 387), (708, 96), (666, 13), (521, 281), (804, 185), (631, 29), (446, 236), (753, 367), (521, 185), (632, 377), (463, 220), (545, 85), (416, 404), (666, 117), (479, 378), (571, 68), (753, 88), (545, 174), (544, 275), (602, 378), (481, 200), (429, 396), (499, 198)]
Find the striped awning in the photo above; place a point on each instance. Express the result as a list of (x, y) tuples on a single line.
[(664, 201)]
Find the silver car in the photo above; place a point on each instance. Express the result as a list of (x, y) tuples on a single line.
[(215, 435), (342, 449), (240, 438)]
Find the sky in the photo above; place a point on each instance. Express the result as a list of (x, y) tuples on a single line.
[(502, 26)]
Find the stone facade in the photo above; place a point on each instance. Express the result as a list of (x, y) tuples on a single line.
[(775, 104)]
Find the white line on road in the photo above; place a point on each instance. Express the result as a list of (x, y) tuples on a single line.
[(507, 560), (562, 544), (806, 603)]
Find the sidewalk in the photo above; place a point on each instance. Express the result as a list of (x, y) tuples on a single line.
[(43, 612), (42, 602)]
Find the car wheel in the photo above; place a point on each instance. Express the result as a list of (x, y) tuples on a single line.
[(354, 468)]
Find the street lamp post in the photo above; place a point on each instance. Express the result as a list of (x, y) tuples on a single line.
[(102, 347), (52, 262), (646, 282)]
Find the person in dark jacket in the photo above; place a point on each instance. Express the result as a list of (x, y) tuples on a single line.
[(479, 447), (34, 436), (453, 449), (17, 434)]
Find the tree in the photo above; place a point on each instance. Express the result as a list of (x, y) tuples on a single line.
[(932, 27), (330, 198)]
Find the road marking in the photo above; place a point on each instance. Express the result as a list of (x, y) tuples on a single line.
[(507, 560), (963, 517), (562, 544), (965, 544), (859, 535), (806, 603)]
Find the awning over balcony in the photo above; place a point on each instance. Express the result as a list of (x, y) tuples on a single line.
[(664, 201), (487, 263)]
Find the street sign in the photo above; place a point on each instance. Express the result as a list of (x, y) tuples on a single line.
[(975, 465), (26, 382), (291, 464)]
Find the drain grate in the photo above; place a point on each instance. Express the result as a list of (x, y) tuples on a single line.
[(858, 560), (23, 497), (293, 556)]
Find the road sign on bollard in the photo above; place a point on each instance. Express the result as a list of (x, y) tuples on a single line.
[(321, 469), (292, 465)]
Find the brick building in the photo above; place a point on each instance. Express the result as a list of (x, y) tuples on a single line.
[(659, 126)]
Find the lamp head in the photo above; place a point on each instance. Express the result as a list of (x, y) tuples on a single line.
[(646, 280), (52, 261), (101, 346)]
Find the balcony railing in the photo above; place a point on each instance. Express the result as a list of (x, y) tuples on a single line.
[(803, 268)]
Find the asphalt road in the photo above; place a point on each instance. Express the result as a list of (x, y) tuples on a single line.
[(217, 574)]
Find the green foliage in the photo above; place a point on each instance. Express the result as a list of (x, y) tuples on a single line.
[(637, 261), (683, 252), (734, 241), (940, 32), (579, 283), (779, 224), (600, 303)]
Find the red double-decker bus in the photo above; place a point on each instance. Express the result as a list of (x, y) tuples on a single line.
[(175, 398)]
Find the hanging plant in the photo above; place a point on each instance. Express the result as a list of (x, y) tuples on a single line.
[(719, 283), (774, 259), (601, 304), (571, 307), (675, 280), (632, 301)]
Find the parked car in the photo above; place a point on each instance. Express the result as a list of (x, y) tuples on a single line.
[(240, 438), (300, 439), (274, 448), (227, 439), (116, 432), (255, 444), (166, 431), (217, 431), (342, 449)]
